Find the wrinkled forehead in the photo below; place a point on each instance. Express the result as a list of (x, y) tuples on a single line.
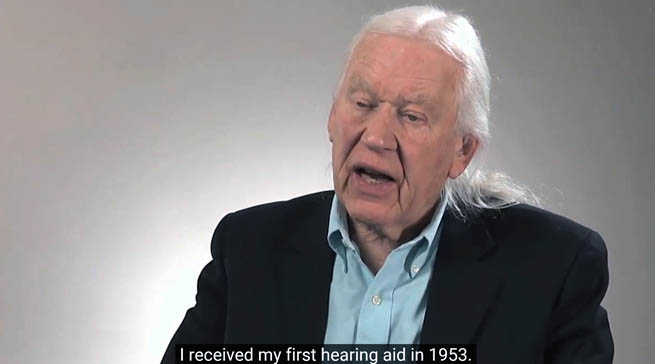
[(401, 63)]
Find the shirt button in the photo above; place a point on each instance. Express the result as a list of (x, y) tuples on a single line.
[(376, 300), (415, 268)]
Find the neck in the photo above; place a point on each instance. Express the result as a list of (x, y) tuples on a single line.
[(376, 241)]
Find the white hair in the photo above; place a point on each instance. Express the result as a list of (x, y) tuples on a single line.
[(474, 189)]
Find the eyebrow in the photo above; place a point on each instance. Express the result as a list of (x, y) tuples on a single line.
[(419, 99), (358, 83)]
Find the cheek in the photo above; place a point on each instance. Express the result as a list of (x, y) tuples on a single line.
[(344, 137), (339, 142), (345, 132), (427, 166)]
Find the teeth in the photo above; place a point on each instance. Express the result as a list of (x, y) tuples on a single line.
[(372, 173), (371, 179)]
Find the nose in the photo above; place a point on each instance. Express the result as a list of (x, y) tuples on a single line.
[(378, 133)]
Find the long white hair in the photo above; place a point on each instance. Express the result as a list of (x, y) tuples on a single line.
[(475, 189)]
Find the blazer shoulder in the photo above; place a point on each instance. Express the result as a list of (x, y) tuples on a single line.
[(524, 222), (266, 224), (272, 212)]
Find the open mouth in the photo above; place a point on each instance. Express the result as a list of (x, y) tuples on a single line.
[(373, 176)]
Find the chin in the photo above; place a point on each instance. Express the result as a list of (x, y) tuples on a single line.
[(368, 212)]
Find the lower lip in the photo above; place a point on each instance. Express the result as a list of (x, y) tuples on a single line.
[(376, 189)]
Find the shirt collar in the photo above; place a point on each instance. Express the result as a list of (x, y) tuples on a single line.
[(339, 239)]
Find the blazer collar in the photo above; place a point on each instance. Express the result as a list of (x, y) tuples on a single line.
[(306, 265), (464, 283)]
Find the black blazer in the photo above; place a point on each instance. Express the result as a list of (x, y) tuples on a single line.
[(523, 284)]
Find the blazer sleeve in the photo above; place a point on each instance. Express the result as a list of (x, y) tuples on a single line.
[(205, 322), (579, 330)]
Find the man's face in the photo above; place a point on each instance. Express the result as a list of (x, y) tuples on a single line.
[(392, 127)]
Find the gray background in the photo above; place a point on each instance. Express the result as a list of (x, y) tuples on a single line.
[(129, 128)]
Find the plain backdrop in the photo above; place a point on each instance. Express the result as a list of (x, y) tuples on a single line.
[(129, 128)]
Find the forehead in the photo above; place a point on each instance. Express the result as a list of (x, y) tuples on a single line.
[(395, 64)]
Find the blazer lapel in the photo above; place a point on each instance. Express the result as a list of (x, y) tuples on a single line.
[(306, 274), (464, 284)]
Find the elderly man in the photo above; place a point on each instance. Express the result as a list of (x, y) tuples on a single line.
[(416, 244)]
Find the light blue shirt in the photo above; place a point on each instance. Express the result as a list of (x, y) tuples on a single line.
[(385, 308)]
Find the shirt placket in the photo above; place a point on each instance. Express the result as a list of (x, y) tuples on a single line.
[(373, 326)]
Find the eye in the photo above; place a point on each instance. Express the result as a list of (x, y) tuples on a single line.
[(362, 105), (411, 117)]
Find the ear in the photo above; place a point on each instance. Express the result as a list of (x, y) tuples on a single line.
[(466, 147)]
